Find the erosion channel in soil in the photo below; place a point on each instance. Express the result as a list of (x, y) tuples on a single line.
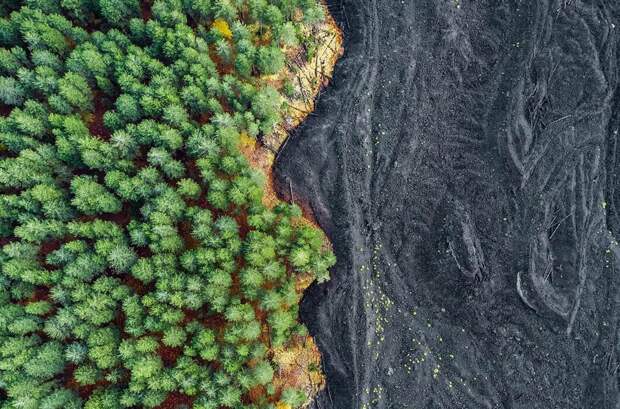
[(463, 163)]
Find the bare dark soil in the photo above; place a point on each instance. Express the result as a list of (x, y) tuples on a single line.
[(463, 162)]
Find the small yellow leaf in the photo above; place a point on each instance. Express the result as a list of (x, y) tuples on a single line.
[(282, 405)]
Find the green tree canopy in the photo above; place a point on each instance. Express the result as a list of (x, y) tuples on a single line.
[(139, 263)]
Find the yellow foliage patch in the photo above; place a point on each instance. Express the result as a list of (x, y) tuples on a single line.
[(246, 141), (282, 405), (221, 26)]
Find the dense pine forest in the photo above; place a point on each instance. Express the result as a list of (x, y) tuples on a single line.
[(140, 265)]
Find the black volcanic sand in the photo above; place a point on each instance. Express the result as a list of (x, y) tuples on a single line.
[(463, 162)]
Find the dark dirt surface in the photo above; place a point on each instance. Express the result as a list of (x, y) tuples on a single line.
[(463, 161)]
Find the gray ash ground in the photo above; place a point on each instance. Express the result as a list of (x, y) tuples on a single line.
[(464, 163)]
